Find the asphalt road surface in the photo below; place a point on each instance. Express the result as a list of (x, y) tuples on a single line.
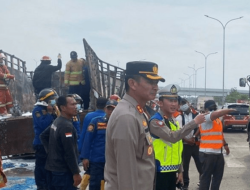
[(236, 173)]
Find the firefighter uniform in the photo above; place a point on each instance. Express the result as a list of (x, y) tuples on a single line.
[(41, 120), (94, 150), (5, 96), (74, 76)]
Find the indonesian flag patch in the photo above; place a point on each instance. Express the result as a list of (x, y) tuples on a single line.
[(68, 134)]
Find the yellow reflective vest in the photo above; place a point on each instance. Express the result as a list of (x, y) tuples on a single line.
[(168, 154), (74, 73)]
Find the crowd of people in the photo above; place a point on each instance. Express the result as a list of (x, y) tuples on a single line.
[(122, 145)]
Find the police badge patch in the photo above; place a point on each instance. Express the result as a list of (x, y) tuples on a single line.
[(38, 114), (90, 128)]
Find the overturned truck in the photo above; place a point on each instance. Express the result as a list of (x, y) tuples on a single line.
[(16, 132)]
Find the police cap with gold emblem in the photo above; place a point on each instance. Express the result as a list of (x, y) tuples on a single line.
[(170, 91), (145, 69)]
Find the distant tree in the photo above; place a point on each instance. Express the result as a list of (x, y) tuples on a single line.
[(235, 95)]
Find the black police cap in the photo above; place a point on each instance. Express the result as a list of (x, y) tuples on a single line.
[(143, 68)]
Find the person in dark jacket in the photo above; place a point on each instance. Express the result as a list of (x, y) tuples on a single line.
[(43, 115), (94, 147), (190, 146), (60, 142), (100, 105), (43, 73)]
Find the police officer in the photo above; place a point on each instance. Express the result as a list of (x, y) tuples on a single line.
[(94, 147), (211, 145), (167, 137), (129, 152), (43, 115)]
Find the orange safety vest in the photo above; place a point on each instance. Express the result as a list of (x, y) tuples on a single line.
[(212, 139)]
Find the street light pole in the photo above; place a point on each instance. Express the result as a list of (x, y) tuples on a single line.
[(189, 80), (205, 56), (195, 74), (182, 81), (224, 30)]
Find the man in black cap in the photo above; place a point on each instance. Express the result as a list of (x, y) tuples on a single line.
[(129, 151), (74, 77), (211, 145), (100, 105)]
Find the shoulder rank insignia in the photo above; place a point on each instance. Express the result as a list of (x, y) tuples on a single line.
[(140, 110), (38, 114), (90, 128), (160, 123), (44, 112), (101, 125), (144, 123), (150, 150)]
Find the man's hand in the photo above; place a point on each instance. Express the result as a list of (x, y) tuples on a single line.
[(180, 178), (85, 164), (10, 76), (49, 109), (77, 179), (199, 119), (227, 150)]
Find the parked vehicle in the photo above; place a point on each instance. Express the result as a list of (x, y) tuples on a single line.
[(238, 119)]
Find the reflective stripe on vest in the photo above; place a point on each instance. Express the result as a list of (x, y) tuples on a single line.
[(212, 139), (168, 154)]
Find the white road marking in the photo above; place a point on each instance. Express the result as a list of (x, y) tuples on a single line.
[(231, 160)]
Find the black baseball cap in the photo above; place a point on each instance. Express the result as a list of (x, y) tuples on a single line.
[(145, 69), (101, 102), (111, 103)]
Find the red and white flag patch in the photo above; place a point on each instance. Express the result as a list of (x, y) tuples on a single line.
[(68, 134), (160, 123)]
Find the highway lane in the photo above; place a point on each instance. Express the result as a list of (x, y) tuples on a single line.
[(236, 173)]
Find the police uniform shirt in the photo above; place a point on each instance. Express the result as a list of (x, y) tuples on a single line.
[(158, 128), (129, 151)]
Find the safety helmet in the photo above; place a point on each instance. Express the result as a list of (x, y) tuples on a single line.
[(2, 56), (47, 94), (73, 54), (76, 97), (46, 58), (115, 97)]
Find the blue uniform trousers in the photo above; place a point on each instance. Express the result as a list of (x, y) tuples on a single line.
[(96, 175), (61, 181), (40, 172)]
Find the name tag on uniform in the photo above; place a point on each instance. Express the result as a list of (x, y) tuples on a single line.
[(149, 138), (101, 125)]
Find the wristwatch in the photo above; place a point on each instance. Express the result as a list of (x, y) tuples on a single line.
[(194, 136), (226, 144)]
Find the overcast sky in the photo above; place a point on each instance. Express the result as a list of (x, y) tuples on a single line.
[(166, 32)]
